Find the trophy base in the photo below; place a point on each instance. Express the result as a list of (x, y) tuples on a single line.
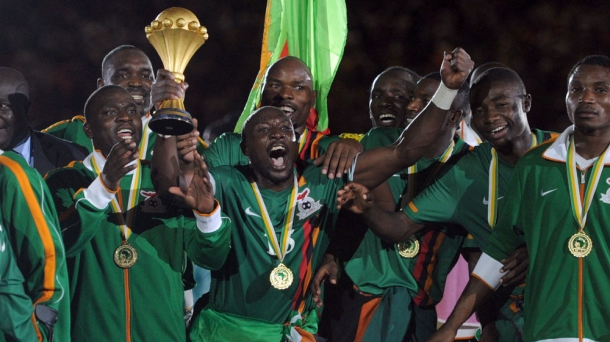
[(171, 121)]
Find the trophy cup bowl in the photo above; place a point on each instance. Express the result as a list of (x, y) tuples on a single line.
[(176, 34)]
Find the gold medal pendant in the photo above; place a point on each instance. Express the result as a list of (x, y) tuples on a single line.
[(408, 249), (125, 256), (580, 244), (281, 277)]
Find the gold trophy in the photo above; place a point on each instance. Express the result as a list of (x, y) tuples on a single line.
[(176, 34)]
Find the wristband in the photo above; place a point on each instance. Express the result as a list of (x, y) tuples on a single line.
[(443, 98)]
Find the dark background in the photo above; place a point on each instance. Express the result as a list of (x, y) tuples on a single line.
[(59, 46)]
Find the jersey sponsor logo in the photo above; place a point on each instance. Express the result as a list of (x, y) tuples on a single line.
[(289, 249), (486, 202), (306, 205), (251, 213), (544, 193)]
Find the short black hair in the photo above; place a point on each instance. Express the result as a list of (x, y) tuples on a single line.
[(251, 116), (600, 60), (415, 76), (108, 58), (95, 95), (500, 74)]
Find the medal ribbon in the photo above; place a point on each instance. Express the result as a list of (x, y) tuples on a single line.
[(117, 200), (578, 209), (280, 250), (145, 136), (302, 140), (492, 191)]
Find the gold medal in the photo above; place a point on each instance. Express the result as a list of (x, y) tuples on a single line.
[(125, 256), (281, 277), (408, 249), (580, 244)]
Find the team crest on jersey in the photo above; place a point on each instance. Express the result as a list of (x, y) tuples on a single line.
[(606, 197), (306, 205), (153, 203)]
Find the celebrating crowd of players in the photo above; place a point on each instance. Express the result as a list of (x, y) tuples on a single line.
[(103, 247)]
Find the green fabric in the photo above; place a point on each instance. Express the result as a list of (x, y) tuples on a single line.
[(242, 287), (71, 130), (541, 217), (316, 32), (15, 306), (36, 244), (388, 322), (162, 235), (376, 265)]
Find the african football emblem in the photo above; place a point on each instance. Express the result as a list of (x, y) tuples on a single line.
[(306, 205)]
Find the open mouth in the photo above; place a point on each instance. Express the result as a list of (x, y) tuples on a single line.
[(277, 156), (387, 119), (125, 134), (287, 110)]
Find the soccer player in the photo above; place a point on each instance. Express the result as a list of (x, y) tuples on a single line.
[(29, 221), (126, 247), (390, 95), (288, 86), (556, 206), (381, 274), (469, 194)]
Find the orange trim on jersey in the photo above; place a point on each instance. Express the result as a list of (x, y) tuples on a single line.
[(41, 226), (313, 152), (127, 306), (432, 263), (413, 207), (216, 208), (483, 281), (366, 315)]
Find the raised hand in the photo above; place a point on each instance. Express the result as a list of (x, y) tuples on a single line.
[(355, 197), (339, 157), (456, 67), (200, 193), (328, 270), (119, 162), (166, 88)]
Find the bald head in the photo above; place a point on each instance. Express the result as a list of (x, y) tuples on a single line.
[(14, 108), (289, 86), (13, 82)]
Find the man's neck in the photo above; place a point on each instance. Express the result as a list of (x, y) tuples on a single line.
[(263, 182), (436, 150), (591, 144), (517, 149)]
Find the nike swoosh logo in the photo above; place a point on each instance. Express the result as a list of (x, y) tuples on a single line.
[(251, 213), (486, 202), (544, 193)]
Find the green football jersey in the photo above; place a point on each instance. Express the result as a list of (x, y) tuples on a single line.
[(564, 294), (377, 265), (241, 290), (142, 302)]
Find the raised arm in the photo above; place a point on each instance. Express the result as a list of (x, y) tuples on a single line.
[(423, 130)]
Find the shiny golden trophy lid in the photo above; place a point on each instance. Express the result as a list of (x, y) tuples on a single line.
[(176, 34)]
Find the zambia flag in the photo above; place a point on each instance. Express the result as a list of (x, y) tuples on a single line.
[(312, 30)]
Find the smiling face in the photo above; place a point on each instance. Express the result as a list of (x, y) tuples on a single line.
[(424, 91), (112, 115), (14, 106), (588, 99), (131, 70), (289, 87), (389, 98), (269, 143), (499, 111)]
